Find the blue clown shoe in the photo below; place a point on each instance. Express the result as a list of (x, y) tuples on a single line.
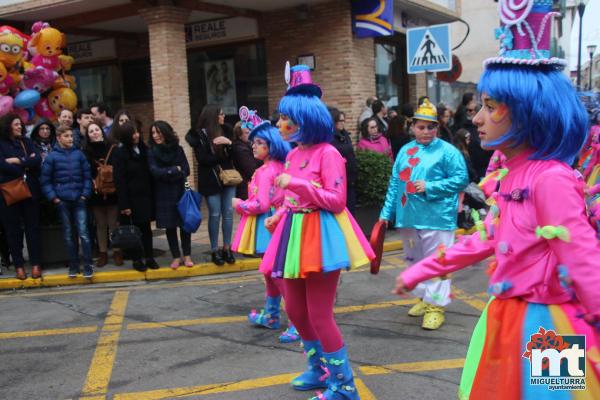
[(314, 376), (340, 382), (269, 316), (290, 335)]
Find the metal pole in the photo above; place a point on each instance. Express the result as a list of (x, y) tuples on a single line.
[(580, 10), (591, 66)]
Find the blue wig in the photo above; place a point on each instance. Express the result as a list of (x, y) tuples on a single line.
[(314, 121), (278, 148), (544, 108)]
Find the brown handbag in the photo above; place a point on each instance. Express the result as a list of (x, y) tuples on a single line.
[(16, 190), (230, 177)]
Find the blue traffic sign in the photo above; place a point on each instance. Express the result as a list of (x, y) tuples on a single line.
[(428, 49)]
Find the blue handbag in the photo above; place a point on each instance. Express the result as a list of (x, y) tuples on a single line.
[(189, 209)]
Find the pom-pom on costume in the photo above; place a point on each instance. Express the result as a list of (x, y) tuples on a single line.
[(264, 196), (426, 220), (545, 278), (315, 237)]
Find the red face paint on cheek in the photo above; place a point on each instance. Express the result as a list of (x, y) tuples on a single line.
[(500, 113), (289, 126)]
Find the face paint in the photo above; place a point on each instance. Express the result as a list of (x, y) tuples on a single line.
[(500, 111)]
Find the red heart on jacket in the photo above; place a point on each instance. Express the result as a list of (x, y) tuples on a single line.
[(414, 161), (403, 199), (404, 175), (412, 151), (410, 187)]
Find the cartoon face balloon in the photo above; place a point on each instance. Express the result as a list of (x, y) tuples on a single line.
[(11, 49), (61, 99)]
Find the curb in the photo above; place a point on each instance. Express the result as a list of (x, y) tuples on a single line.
[(131, 275)]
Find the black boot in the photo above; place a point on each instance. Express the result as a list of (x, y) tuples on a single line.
[(227, 255), (216, 258)]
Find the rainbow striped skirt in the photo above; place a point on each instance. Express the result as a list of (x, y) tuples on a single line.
[(497, 367), (319, 241), (251, 236)]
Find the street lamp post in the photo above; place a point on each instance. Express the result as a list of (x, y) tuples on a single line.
[(580, 11), (591, 50)]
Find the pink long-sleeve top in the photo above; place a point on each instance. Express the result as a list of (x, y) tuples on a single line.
[(262, 191), (532, 195), (378, 145), (318, 179)]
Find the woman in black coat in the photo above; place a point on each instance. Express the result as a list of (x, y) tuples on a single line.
[(19, 158), (134, 189), (343, 143), (213, 150), (104, 207), (243, 159), (169, 168)]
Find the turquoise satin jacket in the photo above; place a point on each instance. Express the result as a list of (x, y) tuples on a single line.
[(443, 169)]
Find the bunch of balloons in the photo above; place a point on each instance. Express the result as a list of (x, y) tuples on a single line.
[(34, 74)]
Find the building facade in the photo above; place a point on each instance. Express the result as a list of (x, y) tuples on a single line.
[(166, 59)]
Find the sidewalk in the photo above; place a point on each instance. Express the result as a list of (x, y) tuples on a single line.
[(57, 275)]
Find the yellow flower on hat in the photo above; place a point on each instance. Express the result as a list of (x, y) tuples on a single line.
[(426, 112)]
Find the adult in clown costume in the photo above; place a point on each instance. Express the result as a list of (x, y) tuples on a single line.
[(422, 199), (545, 277), (315, 237), (252, 237)]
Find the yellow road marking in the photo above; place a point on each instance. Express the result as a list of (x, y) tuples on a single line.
[(190, 322), (469, 299), (284, 379), (247, 384), (185, 322), (98, 377), (365, 307), (226, 320), (413, 366), (363, 390), (48, 332)]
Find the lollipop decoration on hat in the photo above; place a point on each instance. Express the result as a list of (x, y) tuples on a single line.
[(525, 33), (250, 118), (299, 81)]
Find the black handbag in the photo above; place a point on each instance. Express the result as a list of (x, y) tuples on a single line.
[(127, 238)]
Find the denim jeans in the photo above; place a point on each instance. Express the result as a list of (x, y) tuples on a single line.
[(219, 205), (75, 213)]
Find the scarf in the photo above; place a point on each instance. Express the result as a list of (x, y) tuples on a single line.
[(166, 153)]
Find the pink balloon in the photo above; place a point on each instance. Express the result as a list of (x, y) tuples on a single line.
[(43, 110), (6, 104), (22, 113)]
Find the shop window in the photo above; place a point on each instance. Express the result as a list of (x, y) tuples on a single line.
[(390, 66), (137, 81), (98, 84), (231, 76)]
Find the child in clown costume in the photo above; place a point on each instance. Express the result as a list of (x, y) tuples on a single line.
[(546, 274), (315, 237), (591, 174), (263, 196), (422, 197)]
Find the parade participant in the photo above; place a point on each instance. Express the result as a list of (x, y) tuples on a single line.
[(252, 237), (315, 237), (544, 280), (422, 194)]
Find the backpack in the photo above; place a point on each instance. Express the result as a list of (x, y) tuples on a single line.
[(104, 183)]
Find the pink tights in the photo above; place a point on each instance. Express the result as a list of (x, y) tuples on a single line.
[(309, 305), (273, 287)]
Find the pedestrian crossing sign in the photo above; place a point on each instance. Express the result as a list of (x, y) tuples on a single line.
[(428, 49)]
